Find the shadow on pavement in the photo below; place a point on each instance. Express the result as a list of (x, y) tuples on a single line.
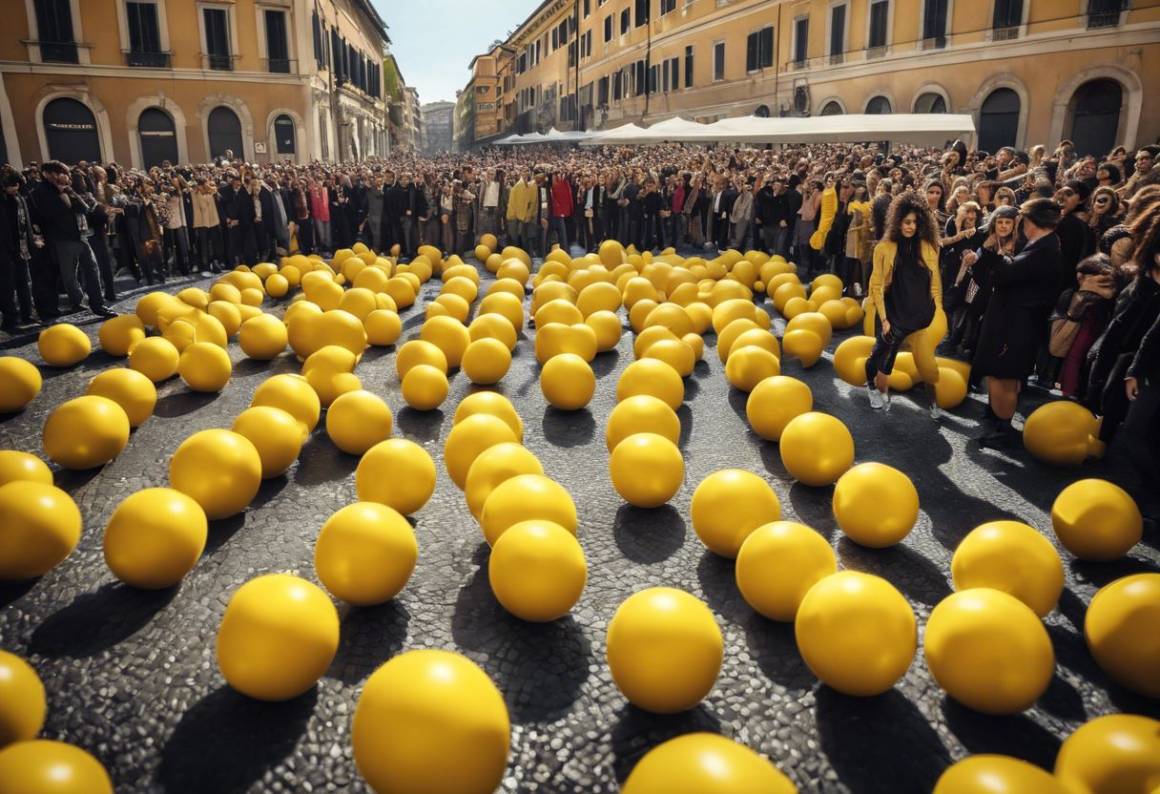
[(637, 731), (1014, 735), (370, 637), (97, 621), (568, 428), (183, 402), (71, 481), (420, 425), (322, 462), (648, 535)]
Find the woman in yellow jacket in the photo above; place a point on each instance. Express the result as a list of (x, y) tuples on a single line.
[(520, 211), (906, 296), (826, 212)]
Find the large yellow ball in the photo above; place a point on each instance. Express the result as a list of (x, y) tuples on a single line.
[(365, 553), (22, 702), (728, 505), (42, 766), (705, 763), (951, 389), (86, 432), (675, 353), (652, 377), (397, 473), (383, 327), (1112, 754), (262, 337), (449, 335), (20, 382), (526, 497), (1122, 629), (278, 636), (568, 382), (63, 345), (641, 413), (496, 465), (358, 420), (118, 335), (291, 393), (421, 709), (412, 354), (996, 774), (1063, 433), (131, 390), (1012, 557), (425, 387), (816, 448), (276, 435), (16, 466), (1096, 520), (155, 357), (493, 326), (804, 345), (607, 327), (777, 565), (989, 651), (537, 570), (847, 356), (749, 366), (856, 632), (774, 402), (646, 469), (489, 402), (468, 439), (41, 527), (220, 469), (205, 367), (664, 650), (486, 361), (154, 538), (876, 505)]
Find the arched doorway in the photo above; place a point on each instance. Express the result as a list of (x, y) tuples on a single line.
[(1095, 116), (284, 141), (930, 102), (158, 137), (831, 108), (70, 131), (999, 120), (225, 132), (878, 106)]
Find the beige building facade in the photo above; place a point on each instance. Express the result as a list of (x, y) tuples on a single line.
[(143, 81)]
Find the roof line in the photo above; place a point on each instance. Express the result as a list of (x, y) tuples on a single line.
[(369, 9)]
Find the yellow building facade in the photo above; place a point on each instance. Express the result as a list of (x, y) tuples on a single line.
[(143, 81), (1030, 71)]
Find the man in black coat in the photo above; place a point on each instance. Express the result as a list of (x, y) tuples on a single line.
[(394, 205), (19, 240), (232, 198), (722, 209)]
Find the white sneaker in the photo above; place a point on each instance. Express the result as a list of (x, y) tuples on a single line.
[(935, 411), (885, 402), (876, 401)]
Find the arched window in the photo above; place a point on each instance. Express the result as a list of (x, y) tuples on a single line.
[(1095, 116), (930, 102), (762, 111), (284, 135), (158, 137), (878, 105), (225, 132), (832, 108), (71, 131), (999, 120)]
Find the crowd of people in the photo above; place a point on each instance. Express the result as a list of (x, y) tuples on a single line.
[(1045, 264)]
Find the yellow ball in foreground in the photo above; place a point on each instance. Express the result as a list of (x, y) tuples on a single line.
[(641, 413), (646, 469), (1062, 433), (1096, 520), (383, 327), (293, 394), (468, 439), (989, 651), (154, 538), (876, 505), (129, 389), (705, 763), (220, 469), (425, 387), (357, 420), (537, 570), (856, 633), (1012, 557), (396, 473), (20, 382), (1122, 629), (526, 497), (568, 382), (278, 636), (653, 377), (117, 335), (205, 367), (431, 720), (816, 449), (63, 345), (17, 466), (496, 465), (41, 527), (43, 766), (749, 366), (776, 401), (1112, 754), (155, 357), (778, 564), (22, 702), (728, 505), (365, 553), (262, 337), (489, 402), (86, 432), (486, 361), (664, 650), (996, 774), (274, 433)]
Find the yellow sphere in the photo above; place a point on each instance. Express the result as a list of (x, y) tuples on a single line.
[(396, 473), (486, 361), (607, 327), (642, 413), (1122, 629), (278, 636), (16, 466), (705, 763), (675, 353), (262, 337), (731, 333), (1096, 520), (804, 345), (950, 390), (728, 505), (856, 633), (471, 437), (154, 538), (63, 345), (847, 356), (131, 390), (22, 701), (537, 570), (493, 326), (220, 469), (425, 387), (449, 335), (776, 401), (118, 335), (277, 286), (1012, 557), (664, 650), (996, 774), (526, 497), (758, 337), (85, 432), (646, 469), (383, 327), (816, 449), (205, 367), (489, 402), (291, 393), (42, 766), (496, 465), (155, 357), (875, 505), (749, 366), (1111, 754), (365, 553), (276, 435), (777, 565), (568, 382), (358, 420), (812, 321), (20, 382), (653, 377), (989, 651), (416, 352), (41, 527), (1063, 433), (421, 709)]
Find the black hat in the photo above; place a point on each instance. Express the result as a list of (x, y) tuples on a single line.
[(1043, 212)]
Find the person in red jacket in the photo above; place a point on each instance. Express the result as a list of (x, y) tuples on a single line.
[(561, 209)]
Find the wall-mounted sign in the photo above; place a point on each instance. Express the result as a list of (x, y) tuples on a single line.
[(259, 147)]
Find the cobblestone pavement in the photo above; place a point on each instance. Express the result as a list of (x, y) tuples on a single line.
[(131, 675)]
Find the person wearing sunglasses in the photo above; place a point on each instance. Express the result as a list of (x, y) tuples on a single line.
[(1105, 211)]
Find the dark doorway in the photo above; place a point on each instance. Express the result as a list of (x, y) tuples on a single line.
[(158, 137), (225, 132), (999, 120), (878, 105), (1095, 116), (832, 109), (930, 103), (284, 142), (71, 131)]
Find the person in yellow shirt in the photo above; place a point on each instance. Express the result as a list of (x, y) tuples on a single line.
[(520, 208)]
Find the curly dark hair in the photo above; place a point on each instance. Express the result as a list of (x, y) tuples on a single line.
[(903, 205), (1146, 233)]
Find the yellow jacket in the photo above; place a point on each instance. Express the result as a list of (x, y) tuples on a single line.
[(883, 272), (829, 209), (521, 202)]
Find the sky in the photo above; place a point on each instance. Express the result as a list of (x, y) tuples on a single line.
[(434, 40)]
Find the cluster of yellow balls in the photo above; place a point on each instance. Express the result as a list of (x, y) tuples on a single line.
[(950, 388)]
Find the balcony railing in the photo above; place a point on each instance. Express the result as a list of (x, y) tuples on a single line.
[(836, 58), (218, 62), (57, 51), (279, 65), (875, 52), (148, 60), (1005, 34)]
